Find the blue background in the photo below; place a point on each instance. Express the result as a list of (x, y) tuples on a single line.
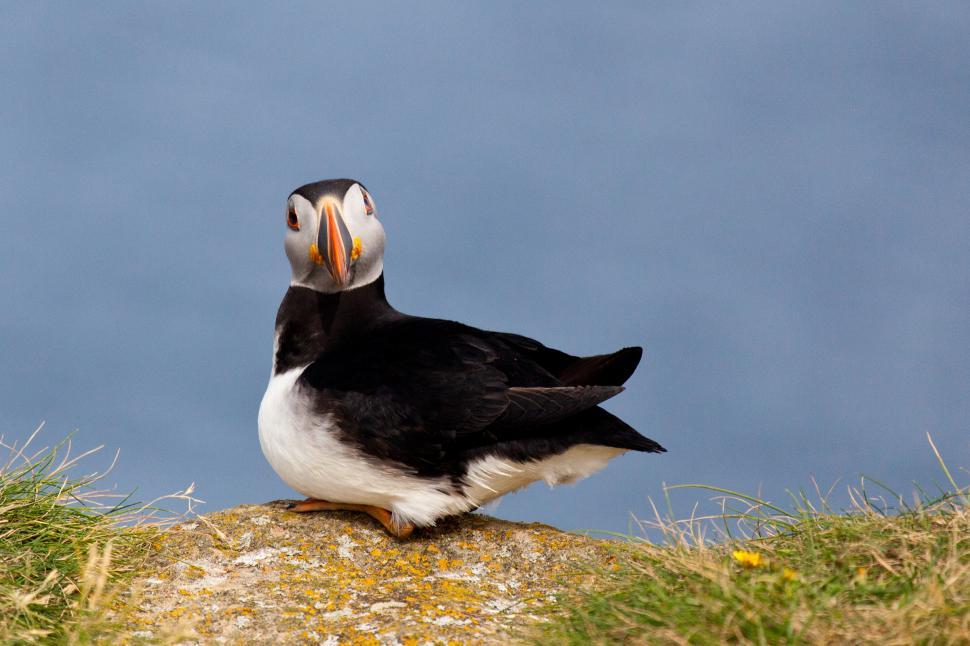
[(773, 198)]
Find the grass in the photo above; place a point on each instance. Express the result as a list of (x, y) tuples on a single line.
[(884, 572), (64, 550)]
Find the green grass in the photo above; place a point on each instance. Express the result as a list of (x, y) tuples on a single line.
[(63, 552), (885, 572)]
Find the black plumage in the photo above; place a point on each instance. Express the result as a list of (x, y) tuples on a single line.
[(316, 190), (431, 395)]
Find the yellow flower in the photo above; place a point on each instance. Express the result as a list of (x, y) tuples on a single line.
[(789, 574), (860, 573), (748, 559)]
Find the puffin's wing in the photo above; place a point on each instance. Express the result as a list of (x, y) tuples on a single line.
[(599, 370), (603, 369), (536, 406), (486, 393), (462, 387), (446, 380), (414, 376)]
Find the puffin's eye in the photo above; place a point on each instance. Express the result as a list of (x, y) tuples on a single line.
[(292, 221), (368, 205)]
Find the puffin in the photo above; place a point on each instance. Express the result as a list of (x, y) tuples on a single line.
[(412, 419)]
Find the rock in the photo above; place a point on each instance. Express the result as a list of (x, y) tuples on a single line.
[(258, 573)]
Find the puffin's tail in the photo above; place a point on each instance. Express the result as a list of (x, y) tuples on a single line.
[(603, 428), (602, 369)]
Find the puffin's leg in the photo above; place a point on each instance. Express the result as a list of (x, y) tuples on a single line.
[(312, 504), (379, 514), (385, 518)]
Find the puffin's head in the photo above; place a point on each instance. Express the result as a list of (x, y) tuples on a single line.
[(333, 238)]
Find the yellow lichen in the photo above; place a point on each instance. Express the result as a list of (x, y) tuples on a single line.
[(299, 589)]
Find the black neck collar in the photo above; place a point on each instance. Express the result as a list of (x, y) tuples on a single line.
[(309, 322)]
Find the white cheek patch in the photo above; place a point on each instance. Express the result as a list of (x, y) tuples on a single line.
[(297, 243), (368, 249)]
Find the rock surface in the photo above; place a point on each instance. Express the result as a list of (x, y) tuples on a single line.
[(258, 573)]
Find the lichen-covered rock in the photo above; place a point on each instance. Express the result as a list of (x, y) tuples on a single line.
[(258, 573)]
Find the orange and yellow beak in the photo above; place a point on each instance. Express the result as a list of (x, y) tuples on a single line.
[(334, 247)]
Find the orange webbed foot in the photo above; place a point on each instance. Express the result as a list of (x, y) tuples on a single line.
[(381, 515)]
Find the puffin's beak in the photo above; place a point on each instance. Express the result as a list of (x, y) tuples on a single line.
[(334, 244)]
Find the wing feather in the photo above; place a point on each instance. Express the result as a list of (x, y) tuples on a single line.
[(539, 406)]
